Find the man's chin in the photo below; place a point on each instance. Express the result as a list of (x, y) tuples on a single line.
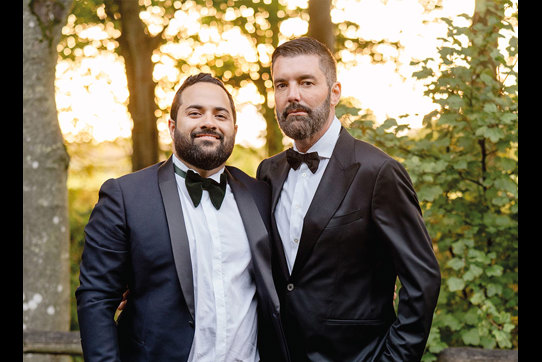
[(294, 132)]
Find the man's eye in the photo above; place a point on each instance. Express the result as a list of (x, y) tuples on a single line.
[(280, 85), (307, 83)]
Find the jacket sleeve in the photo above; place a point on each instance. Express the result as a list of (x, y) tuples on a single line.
[(398, 216), (103, 275)]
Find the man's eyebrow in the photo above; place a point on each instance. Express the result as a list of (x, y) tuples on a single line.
[(220, 109), (299, 77), (200, 107), (196, 106)]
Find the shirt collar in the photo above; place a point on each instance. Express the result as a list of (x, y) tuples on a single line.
[(184, 167), (325, 145)]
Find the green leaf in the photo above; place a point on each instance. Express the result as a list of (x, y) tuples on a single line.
[(450, 321), (430, 193), (424, 73), (472, 273), (488, 79), (454, 101), (507, 164), (507, 117), (487, 342), (456, 263), (389, 123), (458, 247), (493, 133), (490, 108), (477, 255), (460, 165), (477, 298), (507, 185), (494, 289), (502, 317), (494, 271), (455, 284), (503, 338), (471, 337), (471, 316)]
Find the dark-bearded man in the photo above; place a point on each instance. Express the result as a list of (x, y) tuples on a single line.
[(346, 224), (188, 238)]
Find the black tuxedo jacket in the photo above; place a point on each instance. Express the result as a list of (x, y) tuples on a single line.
[(136, 239), (363, 229)]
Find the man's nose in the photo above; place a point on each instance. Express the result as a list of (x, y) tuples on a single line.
[(208, 121), (293, 93)]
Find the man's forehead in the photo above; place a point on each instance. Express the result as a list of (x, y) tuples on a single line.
[(205, 93), (297, 65)]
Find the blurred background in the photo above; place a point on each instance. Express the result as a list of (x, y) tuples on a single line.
[(431, 82)]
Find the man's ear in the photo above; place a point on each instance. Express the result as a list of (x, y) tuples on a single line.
[(171, 126), (335, 94)]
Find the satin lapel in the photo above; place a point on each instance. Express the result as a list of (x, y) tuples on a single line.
[(260, 244), (330, 193), (177, 231), (279, 172)]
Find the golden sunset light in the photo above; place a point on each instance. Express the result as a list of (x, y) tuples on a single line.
[(92, 94)]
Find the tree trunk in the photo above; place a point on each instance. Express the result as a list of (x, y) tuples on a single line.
[(320, 25), (274, 135), (46, 272), (136, 47), (481, 16)]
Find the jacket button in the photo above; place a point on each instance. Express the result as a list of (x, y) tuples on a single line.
[(191, 323), (290, 287)]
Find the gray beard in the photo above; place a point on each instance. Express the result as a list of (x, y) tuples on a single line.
[(197, 156), (303, 127)]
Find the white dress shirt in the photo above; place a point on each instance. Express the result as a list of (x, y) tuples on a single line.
[(298, 191), (224, 289)]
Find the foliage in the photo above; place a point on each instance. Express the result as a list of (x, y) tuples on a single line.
[(463, 164), (90, 165), (204, 36), (246, 159)]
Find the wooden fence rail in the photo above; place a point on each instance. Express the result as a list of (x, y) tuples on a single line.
[(50, 342), (69, 343)]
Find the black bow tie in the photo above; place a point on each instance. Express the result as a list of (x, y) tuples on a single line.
[(195, 184), (295, 159)]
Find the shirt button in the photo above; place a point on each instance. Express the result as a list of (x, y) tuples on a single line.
[(296, 241), (290, 287)]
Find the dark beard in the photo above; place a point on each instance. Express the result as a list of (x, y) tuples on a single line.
[(303, 127), (196, 155)]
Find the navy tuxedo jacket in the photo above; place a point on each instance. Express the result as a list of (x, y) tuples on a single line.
[(136, 239), (363, 229)]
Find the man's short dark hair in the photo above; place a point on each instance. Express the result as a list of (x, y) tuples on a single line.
[(309, 46), (191, 80)]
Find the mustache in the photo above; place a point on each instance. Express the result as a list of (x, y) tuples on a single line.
[(195, 134), (296, 107)]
